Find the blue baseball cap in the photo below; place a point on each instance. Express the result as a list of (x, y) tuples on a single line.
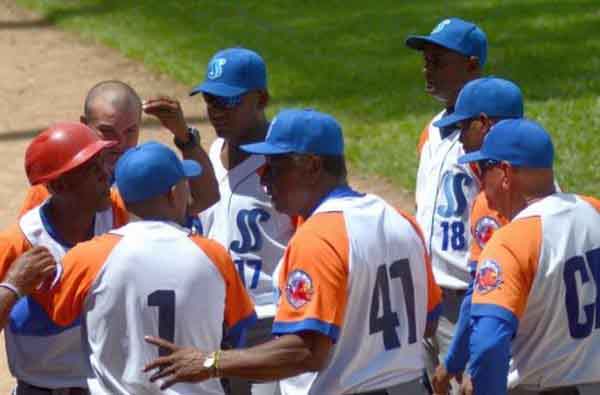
[(233, 72), (457, 35), (150, 170), (520, 142), (492, 96), (302, 132)]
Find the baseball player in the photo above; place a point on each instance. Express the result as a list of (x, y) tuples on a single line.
[(536, 282), (244, 220), (114, 110), (68, 159), (480, 104), (355, 284), (152, 276), (454, 53)]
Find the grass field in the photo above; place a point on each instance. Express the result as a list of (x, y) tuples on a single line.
[(349, 58)]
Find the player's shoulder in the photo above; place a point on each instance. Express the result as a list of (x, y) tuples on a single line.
[(209, 246), (12, 236), (592, 201), (95, 247), (521, 234)]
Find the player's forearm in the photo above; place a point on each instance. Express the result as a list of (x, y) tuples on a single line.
[(283, 357), (7, 301), (204, 188), (489, 347), (458, 353)]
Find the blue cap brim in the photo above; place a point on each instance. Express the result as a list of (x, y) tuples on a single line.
[(450, 120), (474, 156), (418, 43), (265, 148), (191, 168), (217, 89)]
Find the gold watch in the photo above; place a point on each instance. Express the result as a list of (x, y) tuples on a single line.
[(211, 363)]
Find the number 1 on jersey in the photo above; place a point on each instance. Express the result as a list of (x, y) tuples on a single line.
[(165, 301), (388, 321)]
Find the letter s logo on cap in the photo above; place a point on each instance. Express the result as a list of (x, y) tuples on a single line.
[(440, 26), (215, 68)]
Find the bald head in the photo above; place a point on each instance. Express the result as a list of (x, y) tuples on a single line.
[(116, 94), (114, 110)]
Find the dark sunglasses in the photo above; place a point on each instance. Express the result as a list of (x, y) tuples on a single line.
[(223, 101), (485, 165)]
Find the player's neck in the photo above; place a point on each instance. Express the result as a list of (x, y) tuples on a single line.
[(71, 221), (232, 155)]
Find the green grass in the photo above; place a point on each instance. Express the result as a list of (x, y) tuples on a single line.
[(348, 58)]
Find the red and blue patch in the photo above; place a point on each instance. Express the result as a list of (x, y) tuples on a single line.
[(299, 289), (484, 229), (488, 277)]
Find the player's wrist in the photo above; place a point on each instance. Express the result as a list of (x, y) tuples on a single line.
[(212, 364), (192, 139), (12, 288)]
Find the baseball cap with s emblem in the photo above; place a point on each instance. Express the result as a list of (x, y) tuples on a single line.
[(233, 72)]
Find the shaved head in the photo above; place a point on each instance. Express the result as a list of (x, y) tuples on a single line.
[(114, 110), (116, 94)]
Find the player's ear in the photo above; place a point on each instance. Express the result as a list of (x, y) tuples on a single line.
[(263, 99), (473, 64)]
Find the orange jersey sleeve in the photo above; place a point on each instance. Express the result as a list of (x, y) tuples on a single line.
[(423, 139), (81, 265), (592, 201), (483, 223), (314, 278), (507, 267), (13, 244), (35, 196), (434, 292), (120, 213), (239, 309)]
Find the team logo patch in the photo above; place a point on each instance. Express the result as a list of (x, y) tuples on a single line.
[(488, 277), (215, 68), (484, 229), (440, 26), (299, 289)]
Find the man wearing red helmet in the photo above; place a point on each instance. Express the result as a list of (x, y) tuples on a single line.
[(67, 159)]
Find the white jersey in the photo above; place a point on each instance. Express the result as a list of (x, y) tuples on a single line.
[(149, 278), (246, 224), (40, 352), (356, 271), (555, 244), (445, 193)]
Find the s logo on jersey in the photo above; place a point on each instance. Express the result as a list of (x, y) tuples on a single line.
[(299, 289), (215, 68), (488, 277), (484, 229)]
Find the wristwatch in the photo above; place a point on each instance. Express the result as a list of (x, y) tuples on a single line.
[(193, 139), (210, 363)]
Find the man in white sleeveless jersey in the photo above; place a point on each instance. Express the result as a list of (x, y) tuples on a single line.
[(151, 276), (355, 285), (537, 283), (454, 53), (68, 159), (244, 219)]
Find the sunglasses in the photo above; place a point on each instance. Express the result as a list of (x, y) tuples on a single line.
[(223, 101), (485, 165)]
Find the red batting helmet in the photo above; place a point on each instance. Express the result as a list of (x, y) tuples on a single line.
[(59, 149)]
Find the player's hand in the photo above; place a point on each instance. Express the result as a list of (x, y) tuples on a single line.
[(466, 387), (183, 364), (169, 113), (36, 266), (441, 380)]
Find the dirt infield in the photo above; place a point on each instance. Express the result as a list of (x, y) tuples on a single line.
[(45, 76)]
